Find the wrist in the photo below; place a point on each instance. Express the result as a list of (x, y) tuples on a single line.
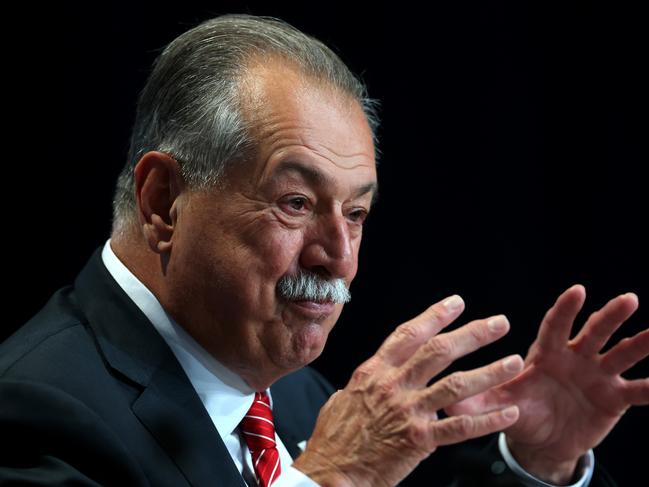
[(542, 466), (323, 471)]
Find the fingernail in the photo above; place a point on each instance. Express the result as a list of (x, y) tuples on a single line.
[(498, 324), (513, 363), (453, 303), (510, 413)]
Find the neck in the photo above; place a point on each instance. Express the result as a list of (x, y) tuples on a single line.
[(144, 264)]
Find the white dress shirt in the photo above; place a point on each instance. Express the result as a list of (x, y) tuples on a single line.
[(227, 397), (584, 468)]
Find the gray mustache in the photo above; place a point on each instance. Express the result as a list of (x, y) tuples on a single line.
[(309, 286)]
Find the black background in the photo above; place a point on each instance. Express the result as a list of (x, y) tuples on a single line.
[(512, 141)]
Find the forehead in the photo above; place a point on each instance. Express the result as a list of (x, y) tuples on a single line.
[(290, 112)]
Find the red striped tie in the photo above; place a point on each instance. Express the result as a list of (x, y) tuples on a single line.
[(259, 432)]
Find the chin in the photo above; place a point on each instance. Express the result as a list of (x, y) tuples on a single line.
[(304, 334), (307, 344)]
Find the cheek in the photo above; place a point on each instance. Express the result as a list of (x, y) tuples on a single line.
[(356, 245), (274, 249)]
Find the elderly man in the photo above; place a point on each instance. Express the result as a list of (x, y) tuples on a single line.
[(179, 355)]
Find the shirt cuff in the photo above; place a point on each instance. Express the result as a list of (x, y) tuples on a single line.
[(585, 468), (292, 477)]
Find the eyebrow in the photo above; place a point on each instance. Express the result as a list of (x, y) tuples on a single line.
[(317, 178)]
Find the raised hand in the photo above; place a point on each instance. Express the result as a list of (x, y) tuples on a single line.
[(377, 430), (570, 394)]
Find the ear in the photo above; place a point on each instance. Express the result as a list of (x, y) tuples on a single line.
[(158, 185)]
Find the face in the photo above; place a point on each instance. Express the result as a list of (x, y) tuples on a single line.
[(299, 205)]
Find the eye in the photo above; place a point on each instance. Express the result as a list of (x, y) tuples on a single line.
[(358, 215), (294, 204), (297, 203)]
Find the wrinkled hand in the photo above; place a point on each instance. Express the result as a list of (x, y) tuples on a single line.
[(569, 394), (377, 430)]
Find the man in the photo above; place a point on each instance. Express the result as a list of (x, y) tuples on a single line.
[(238, 220)]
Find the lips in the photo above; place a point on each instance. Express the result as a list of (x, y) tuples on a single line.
[(314, 309)]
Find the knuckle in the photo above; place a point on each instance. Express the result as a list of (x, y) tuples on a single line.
[(463, 426), (416, 434), (386, 389), (478, 333), (499, 370), (594, 316), (407, 332), (403, 411), (433, 315), (550, 315), (453, 386), (491, 422), (440, 346), (625, 342), (363, 372)]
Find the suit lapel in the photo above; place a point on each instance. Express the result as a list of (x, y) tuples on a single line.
[(168, 406), (171, 411)]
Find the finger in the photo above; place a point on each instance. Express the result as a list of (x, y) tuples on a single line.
[(603, 323), (557, 323), (636, 392), (627, 353), (461, 385), (438, 352), (460, 428), (409, 336), (485, 402)]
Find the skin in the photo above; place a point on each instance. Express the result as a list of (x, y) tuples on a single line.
[(300, 203), (213, 259), (570, 394), (377, 429)]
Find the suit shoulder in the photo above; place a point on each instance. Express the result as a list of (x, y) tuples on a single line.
[(58, 436), (53, 337)]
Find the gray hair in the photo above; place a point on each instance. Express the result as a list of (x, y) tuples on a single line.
[(310, 286), (190, 107)]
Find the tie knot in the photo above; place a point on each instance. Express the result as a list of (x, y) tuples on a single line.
[(257, 425)]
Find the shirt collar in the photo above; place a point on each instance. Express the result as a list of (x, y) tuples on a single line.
[(225, 395)]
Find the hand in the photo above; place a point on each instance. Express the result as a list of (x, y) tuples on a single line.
[(570, 395), (377, 430)]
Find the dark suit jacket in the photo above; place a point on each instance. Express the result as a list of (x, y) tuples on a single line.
[(90, 394)]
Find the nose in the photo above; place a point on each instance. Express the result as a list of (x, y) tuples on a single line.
[(329, 249)]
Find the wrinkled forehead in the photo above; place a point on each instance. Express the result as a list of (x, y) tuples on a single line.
[(280, 100)]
